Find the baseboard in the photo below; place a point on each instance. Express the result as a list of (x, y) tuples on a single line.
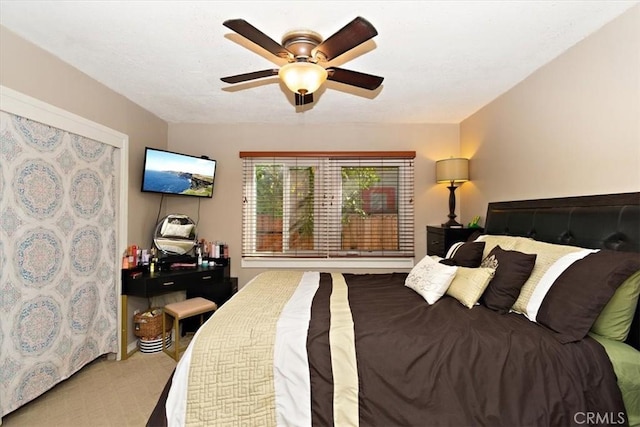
[(132, 347)]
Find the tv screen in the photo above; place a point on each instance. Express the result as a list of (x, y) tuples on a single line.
[(167, 172)]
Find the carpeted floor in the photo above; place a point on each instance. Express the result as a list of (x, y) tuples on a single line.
[(103, 393)]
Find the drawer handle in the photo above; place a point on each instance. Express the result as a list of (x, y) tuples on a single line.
[(435, 242), (206, 277), (167, 283)]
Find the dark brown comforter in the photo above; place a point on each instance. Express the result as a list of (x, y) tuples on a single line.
[(421, 365), (445, 364)]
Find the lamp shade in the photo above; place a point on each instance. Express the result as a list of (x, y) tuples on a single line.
[(302, 77), (454, 170)]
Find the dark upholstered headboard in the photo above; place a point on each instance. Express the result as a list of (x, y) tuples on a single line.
[(610, 221)]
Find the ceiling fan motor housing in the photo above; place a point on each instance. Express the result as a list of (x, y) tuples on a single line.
[(301, 44)]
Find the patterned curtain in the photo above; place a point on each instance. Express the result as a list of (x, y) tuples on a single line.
[(58, 299)]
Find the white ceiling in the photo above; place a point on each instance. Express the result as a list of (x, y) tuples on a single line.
[(441, 60)]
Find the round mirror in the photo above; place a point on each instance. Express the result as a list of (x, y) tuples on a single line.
[(175, 235)]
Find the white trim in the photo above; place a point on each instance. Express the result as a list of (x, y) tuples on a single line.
[(325, 263), (249, 207), (23, 105)]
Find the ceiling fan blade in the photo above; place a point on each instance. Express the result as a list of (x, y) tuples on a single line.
[(303, 99), (351, 35), (250, 32), (354, 78), (249, 76)]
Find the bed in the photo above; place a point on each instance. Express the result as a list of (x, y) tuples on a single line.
[(487, 345)]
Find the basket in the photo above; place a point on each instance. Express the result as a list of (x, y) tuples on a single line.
[(154, 345), (148, 324)]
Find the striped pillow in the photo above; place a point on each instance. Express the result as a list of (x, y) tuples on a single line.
[(577, 295), (547, 255)]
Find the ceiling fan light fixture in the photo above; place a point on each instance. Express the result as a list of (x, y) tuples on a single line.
[(303, 77)]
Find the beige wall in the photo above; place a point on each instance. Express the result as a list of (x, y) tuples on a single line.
[(571, 128), (220, 217), (34, 72)]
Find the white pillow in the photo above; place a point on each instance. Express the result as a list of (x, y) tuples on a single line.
[(177, 230), (430, 279)]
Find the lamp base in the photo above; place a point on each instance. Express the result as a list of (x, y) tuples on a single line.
[(452, 223)]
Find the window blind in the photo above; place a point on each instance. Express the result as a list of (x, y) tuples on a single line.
[(328, 204)]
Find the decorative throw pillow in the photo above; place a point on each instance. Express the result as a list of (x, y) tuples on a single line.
[(474, 235), (463, 254), (581, 291), (469, 284), (614, 322), (430, 279), (512, 268)]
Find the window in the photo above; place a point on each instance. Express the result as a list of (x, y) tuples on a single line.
[(328, 205)]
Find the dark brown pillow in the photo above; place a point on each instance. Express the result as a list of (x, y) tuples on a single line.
[(465, 255), (581, 291), (474, 235), (513, 268)]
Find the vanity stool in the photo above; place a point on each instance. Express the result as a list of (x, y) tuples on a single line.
[(182, 310)]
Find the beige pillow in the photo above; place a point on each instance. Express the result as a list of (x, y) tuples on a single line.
[(469, 284), (508, 243)]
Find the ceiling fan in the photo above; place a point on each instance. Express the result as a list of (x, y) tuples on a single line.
[(304, 49)]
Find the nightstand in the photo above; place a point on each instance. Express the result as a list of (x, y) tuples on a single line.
[(440, 239)]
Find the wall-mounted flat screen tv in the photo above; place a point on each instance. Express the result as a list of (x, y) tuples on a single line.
[(167, 172)]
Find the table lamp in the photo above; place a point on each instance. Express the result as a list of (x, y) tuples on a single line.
[(452, 171)]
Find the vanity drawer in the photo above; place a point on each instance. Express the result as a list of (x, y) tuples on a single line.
[(209, 277), (162, 285)]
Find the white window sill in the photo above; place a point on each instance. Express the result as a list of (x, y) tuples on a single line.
[(325, 263)]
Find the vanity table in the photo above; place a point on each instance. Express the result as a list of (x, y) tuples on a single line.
[(213, 283)]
